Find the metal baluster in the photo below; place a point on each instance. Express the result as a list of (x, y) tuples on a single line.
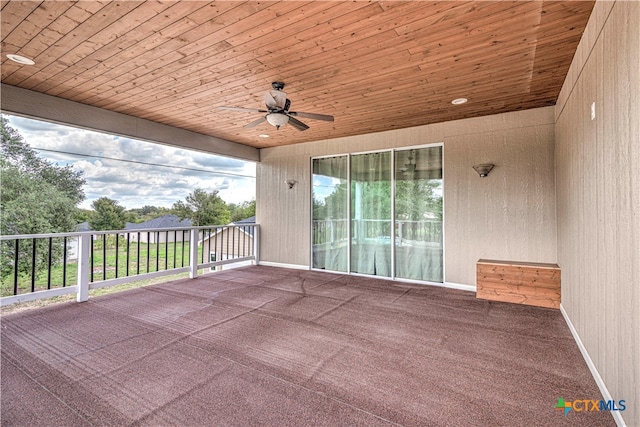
[(33, 267), (104, 257), (157, 250), (64, 263), (50, 259), (128, 256), (138, 255), (91, 259), (117, 250), (15, 269), (175, 242), (183, 231), (233, 244), (148, 249), (166, 250)]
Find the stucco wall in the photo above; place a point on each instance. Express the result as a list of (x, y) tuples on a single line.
[(508, 215), (598, 188)]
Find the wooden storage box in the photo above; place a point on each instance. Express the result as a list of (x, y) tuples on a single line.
[(519, 282)]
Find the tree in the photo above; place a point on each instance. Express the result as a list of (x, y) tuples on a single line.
[(242, 210), (37, 197), (107, 215), (16, 153), (203, 208), (146, 213)]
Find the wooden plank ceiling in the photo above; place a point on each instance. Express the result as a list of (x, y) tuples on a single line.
[(375, 66)]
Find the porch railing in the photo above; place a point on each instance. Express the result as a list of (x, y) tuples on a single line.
[(38, 266)]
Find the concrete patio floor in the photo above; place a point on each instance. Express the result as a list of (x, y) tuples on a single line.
[(278, 347)]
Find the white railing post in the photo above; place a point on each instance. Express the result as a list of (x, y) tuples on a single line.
[(193, 253), (256, 244), (84, 243)]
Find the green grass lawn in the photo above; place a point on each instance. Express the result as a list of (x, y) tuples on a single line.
[(109, 260)]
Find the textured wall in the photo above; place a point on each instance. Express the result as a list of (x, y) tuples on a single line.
[(508, 215), (598, 189)]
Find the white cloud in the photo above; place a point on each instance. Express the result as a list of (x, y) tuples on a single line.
[(132, 183)]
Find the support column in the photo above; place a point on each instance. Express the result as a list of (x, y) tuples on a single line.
[(84, 243)]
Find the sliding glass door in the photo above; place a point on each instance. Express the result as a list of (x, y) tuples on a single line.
[(371, 214), (379, 214)]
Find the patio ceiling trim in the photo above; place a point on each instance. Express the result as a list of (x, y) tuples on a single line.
[(24, 102)]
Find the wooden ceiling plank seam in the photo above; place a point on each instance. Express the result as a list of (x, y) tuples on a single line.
[(84, 55), (72, 39), (29, 28), (365, 94), (233, 57), (136, 46), (372, 48), (341, 42), (110, 52), (277, 29), (193, 93), (482, 12), (368, 94), (310, 43), (149, 54), (125, 60), (13, 13)]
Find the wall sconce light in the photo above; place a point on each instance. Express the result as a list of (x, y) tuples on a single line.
[(291, 183), (483, 169)]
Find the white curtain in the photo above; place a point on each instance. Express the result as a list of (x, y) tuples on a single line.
[(371, 214)]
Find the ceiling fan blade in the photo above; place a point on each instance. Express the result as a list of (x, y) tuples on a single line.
[(255, 123), (297, 124), (249, 110), (314, 116)]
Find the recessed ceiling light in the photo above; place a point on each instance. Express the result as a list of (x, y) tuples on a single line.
[(263, 135), (459, 101), (20, 59)]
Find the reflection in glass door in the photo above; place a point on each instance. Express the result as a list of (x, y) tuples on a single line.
[(418, 214), (371, 214), (330, 228)]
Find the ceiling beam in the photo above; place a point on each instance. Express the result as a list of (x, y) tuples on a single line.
[(27, 103)]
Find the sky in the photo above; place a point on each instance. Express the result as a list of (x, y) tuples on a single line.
[(131, 184)]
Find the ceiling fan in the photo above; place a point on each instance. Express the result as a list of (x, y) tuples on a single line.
[(278, 113)]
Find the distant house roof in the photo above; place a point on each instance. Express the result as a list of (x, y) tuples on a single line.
[(165, 221), (250, 220), (83, 226), (246, 230)]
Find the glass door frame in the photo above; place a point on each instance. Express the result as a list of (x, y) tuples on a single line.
[(393, 152)]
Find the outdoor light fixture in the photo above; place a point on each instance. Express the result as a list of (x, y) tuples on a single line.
[(459, 101), (483, 169), (277, 119), (290, 182)]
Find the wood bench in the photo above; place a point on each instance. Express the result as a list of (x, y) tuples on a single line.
[(519, 282)]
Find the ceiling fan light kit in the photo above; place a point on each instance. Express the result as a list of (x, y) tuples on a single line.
[(277, 112)]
